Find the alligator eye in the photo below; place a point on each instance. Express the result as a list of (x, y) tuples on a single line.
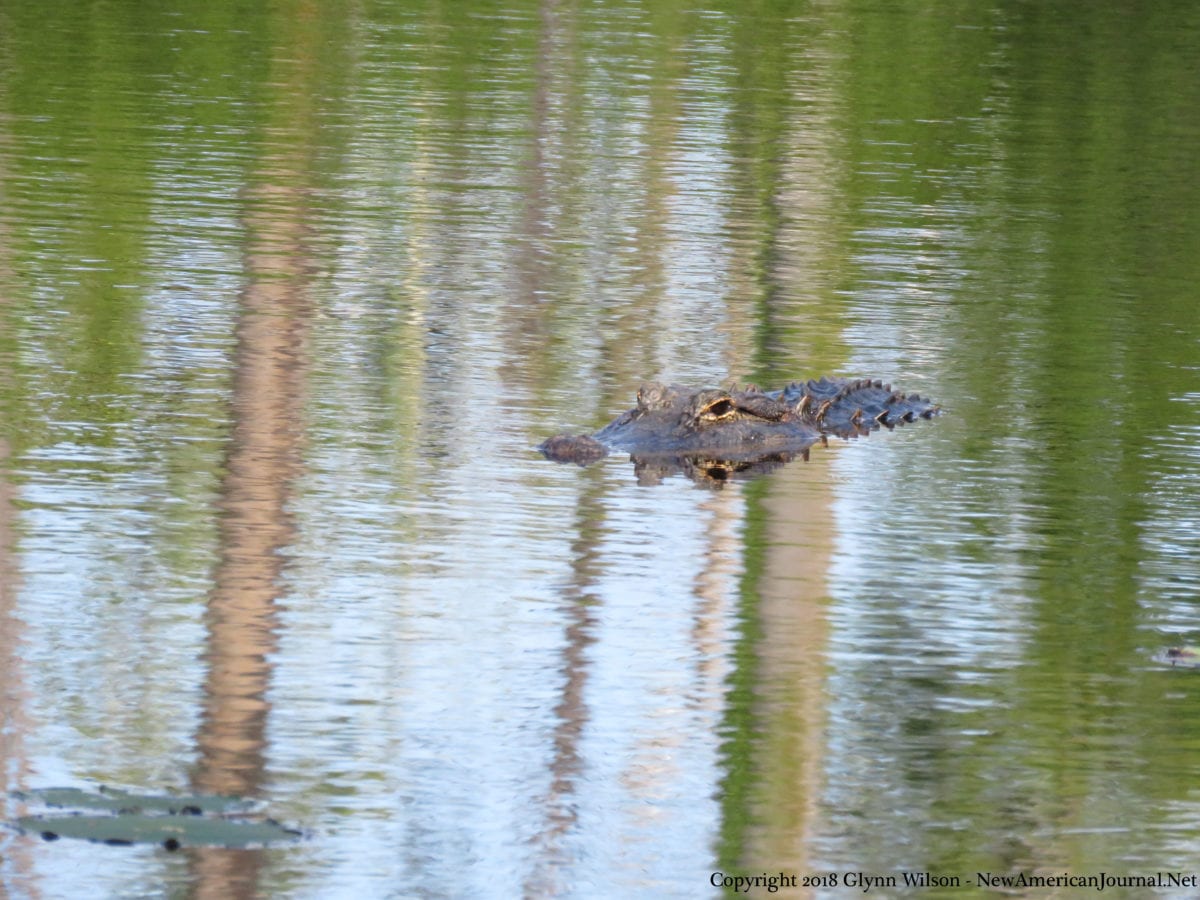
[(718, 409)]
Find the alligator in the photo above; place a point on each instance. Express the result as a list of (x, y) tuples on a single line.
[(714, 433)]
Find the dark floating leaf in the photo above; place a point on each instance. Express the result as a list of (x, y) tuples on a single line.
[(171, 831), (120, 818), (1186, 657)]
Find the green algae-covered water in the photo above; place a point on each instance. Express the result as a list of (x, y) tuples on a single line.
[(289, 292)]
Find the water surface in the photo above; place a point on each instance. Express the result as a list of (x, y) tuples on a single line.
[(288, 295)]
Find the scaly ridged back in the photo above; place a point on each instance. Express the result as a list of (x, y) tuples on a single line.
[(846, 407)]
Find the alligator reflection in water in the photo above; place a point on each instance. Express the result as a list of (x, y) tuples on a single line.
[(714, 435)]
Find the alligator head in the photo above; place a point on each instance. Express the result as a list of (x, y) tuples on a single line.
[(671, 419)]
